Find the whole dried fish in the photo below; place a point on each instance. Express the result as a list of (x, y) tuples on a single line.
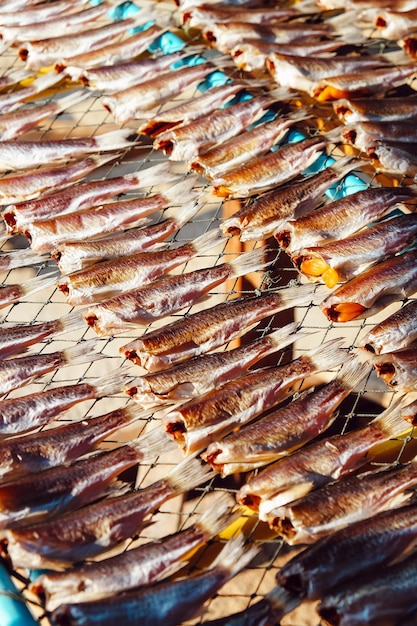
[(15, 373), (138, 567), (74, 256), (198, 422), (97, 527), (81, 196), (18, 155), (273, 169), (201, 15), (379, 541), (279, 433), (135, 101), (398, 369), (38, 496), (264, 215), (396, 332), (62, 444), (203, 373), (208, 329), (343, 502), (341, 260), (364, 134), (342, 217), (318, 463), (186, 141), (383, 597), (368, 109), (168, 603), (372, 291), (111, 278), (39, 12), (168, 294), (37, 409), (396, 158), (46, 234)]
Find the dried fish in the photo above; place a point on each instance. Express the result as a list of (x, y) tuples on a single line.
[(201, 15), (395, 158), (395, 25), (11, 259), (343, 502), (198, 422), (74, 256), (9, 101), (168, 603), (364, 134), (263, 216), (138, 567), (18, 155), (341, 260), (208, 329), (62, 444), (273, 169), (111, 278), (342, 217), (97, 527), (39, 12), (203, 373), (396, 332), (387, 109), (168, 294), (186, 141), (372, 291), (279, 433), (319, 463), (10, 293), (46, 234), (37, 409), (398, 369)]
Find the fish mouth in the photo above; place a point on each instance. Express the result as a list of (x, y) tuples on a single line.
[(330, 615), (210, 36), (251, 501), (23, 54), (166, 145), (386, 371), (284, 527), (380, 22), (283, 238), (293, 583), (91, 320), (63, 287)]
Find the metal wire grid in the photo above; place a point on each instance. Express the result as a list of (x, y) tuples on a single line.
[(88, 118)]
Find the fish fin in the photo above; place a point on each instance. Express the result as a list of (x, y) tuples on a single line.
[(247, 262), (354, 371), (282, 600), (110, 383), (218, 516), (153, 443), (300, 295), (38, 283), (155, 174), (22, 257), (391, 420), (208, 240), (287, 335), (189, 474), (83, 352), (116, 139), (71, 321), (71, 99), (234, 557), (329, 355), (44, 81), (182, 192), (182, 214)]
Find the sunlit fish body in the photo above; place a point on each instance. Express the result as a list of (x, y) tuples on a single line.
[(200, 16), (396, 332), (364, 134), (370, 109), (396, 158), (39, 12), (395, 25), (398, 369)]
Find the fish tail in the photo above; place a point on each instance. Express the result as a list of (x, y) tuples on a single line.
[(182, 214), (83, 352), (234, 557), (189, 474), (153, 443), (24, 257), (45, 81), (73, 98), (300, 295), (391, 420), (208, 240), (248, 262), (181, 192), (71, 321), (282, 601), (329, 355), (353, 372), (287, 335), (218, 517), (409, 413), (110, 383), (115, 139), (156, 174), (38, 283)]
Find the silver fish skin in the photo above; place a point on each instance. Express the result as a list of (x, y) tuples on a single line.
[(59, 25), (210, 328), (200, 16), (135, 102), (286, 429), (376, 109), (14, 373), (394, 25), (364, 134), (23, 187), (74, 256), (190, 110), (138, 567), (186, 141), (62, 444), (198, 422), (342, 503), (19, 155), (100, 526), (339, 261), (396, 332), (242, 148), (15, 123), (39, 13), (370, 292), (276, 168), (381, 599), (395, 158), (341, 218), (363, 547), (80, 196), (165, 296), (201, 374), (37, 409), (264, 215), (9, 101), (398, 369), (16, 339), (108, 54), (111, 278), (318, 463), (168, 603), (38, 54), (47, 234)]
